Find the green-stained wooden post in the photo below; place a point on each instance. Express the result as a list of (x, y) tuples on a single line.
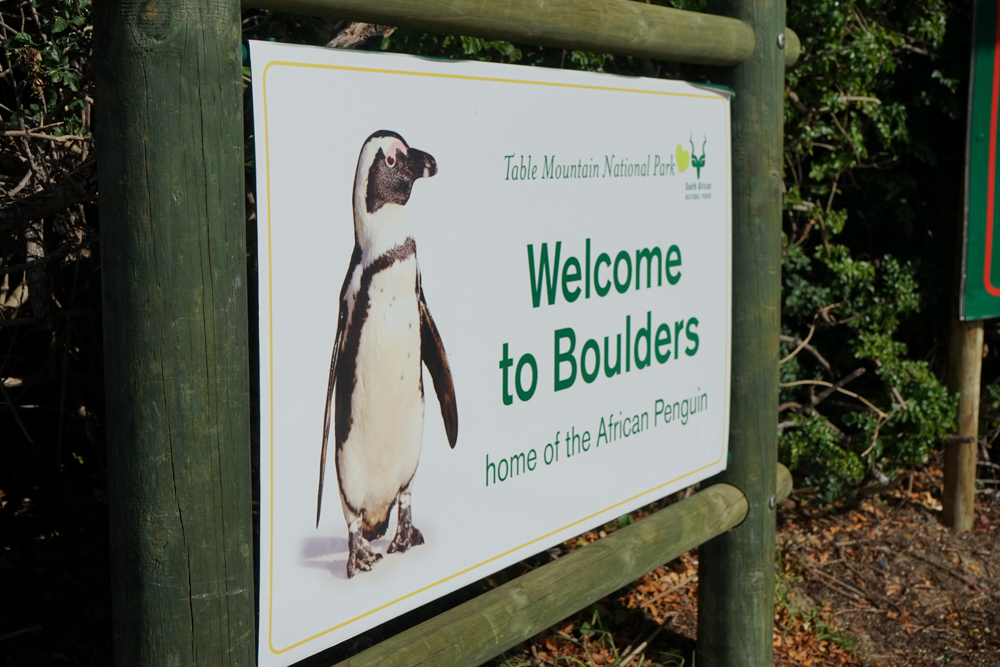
[(965, 367), (173, 260), (736, 578)]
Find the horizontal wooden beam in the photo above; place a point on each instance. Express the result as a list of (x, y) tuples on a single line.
[(622, 27), (473, 632)]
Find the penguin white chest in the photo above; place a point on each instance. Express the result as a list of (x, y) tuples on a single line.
[(387, 408)]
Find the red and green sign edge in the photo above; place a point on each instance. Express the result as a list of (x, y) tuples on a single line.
[(980, 273)]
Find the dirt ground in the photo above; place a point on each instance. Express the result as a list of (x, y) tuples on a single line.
[(879, 584), (888, 578)]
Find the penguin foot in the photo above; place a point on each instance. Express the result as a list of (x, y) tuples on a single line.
[(362, 558), (406, 536)]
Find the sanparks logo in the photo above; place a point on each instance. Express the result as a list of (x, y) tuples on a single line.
[(696, 189), (692, 159)]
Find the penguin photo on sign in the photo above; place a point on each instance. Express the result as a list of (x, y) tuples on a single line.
[(385, 335)]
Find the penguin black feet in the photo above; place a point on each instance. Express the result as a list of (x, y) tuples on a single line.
[(406, 535), (362, 557)]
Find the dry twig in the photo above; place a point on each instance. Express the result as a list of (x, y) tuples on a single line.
[(836, 388)]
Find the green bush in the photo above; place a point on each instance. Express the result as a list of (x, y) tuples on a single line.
[(860, 103)]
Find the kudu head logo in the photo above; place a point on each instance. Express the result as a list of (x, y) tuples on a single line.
[(698, 161)]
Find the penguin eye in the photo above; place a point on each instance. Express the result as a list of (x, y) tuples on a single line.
[(390, 160)]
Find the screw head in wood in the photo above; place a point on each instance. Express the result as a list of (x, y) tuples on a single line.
[(772, 502), (781, 40)]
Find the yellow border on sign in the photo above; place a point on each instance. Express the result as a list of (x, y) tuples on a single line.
[(267, 171)]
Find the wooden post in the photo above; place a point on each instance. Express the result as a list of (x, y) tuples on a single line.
[(173, 263), (736, 571), (965, 365)]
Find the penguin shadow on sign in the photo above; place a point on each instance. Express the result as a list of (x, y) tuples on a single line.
[(331, 554), (385, 337), (326, 553)]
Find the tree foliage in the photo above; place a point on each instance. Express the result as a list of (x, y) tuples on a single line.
[(49, 281), (855, 144), (53, 516)]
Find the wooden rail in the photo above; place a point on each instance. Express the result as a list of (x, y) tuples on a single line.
[(622, 27), (473, 632)]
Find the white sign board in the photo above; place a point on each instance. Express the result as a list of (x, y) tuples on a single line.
[(523, 278)]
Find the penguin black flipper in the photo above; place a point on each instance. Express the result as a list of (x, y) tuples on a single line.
[(327, 415), (436, 359)]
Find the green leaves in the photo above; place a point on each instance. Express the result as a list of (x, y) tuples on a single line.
[(857, 306), (847, 115), (52, 61), (18, 41)]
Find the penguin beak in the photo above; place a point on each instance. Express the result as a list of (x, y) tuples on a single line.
[(419, 164)]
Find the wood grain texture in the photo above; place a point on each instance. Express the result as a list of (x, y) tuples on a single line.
[(173, 264), (480, 629), (736, 581), (621, 27), (965, 365)]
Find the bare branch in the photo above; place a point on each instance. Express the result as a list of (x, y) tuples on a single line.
[(812, 330), (811, 350), (46, 137), (821, 383), (50, 201), (837, 385), (358, 35), (854, 98), (48, 259)]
